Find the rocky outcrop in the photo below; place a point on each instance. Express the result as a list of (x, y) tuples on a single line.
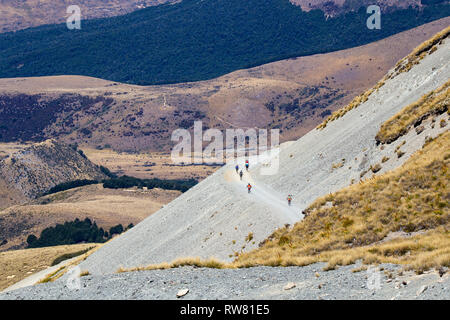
[(32, 171)]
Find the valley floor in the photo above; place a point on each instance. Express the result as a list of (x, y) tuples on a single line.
[(251, 283)]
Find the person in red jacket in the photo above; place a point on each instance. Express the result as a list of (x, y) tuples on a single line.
[(289, 199), (249, 187)]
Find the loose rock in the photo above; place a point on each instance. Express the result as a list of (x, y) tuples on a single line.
[(182, 293), (289, 286)]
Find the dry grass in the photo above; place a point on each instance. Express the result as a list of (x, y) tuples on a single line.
[(412, 198), (19, 264), (428, 47), (435, 102), (404, 65), (190, 261)]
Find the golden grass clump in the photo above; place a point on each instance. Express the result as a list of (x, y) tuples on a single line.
[(182, 262), (435, 102), (404, 65)]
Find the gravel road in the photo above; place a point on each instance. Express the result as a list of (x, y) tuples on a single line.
[(261, 283)]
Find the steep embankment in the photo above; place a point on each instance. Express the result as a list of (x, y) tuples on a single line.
[(216, 219)]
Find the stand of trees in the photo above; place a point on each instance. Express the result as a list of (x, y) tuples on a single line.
[(127, 182), (73, 232)]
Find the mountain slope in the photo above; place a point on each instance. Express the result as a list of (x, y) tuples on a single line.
[(293, 95), (217, 216), (173, 43), (17, 15)]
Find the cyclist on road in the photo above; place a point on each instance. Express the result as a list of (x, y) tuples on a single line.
[(289, 199)]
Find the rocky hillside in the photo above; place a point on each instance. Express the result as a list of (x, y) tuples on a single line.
[(28, 173), (218, 218), (293, 95)]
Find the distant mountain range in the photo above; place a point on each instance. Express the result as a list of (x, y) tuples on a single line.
[(197, 40), (293, 95), (22, 14), (17, 15)]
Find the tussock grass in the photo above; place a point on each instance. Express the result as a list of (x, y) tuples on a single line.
[(182, 262), (435, 102), (412, 198), (404, 65), (84, 273), (427, 47), (68, 256), (51, 276)]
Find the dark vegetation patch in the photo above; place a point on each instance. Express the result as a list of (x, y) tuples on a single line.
[(73, 232), (115, 182), (129, 182), (24, 117), (70, 185)]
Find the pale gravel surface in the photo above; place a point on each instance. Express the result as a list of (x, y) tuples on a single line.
[(260, 283), (215, 217)]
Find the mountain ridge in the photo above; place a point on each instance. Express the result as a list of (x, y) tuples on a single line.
[(101, 113)]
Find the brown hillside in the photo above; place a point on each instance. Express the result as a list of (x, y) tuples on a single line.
[(294, 95)]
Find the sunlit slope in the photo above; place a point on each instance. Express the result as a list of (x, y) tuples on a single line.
[(216, 217)]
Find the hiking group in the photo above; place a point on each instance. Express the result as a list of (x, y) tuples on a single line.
[(241, 174), (249, 186)]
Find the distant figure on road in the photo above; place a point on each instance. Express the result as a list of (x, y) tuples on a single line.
[(246, 165), (241, 174), (249, 187), (289, 199), (237, 168)]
